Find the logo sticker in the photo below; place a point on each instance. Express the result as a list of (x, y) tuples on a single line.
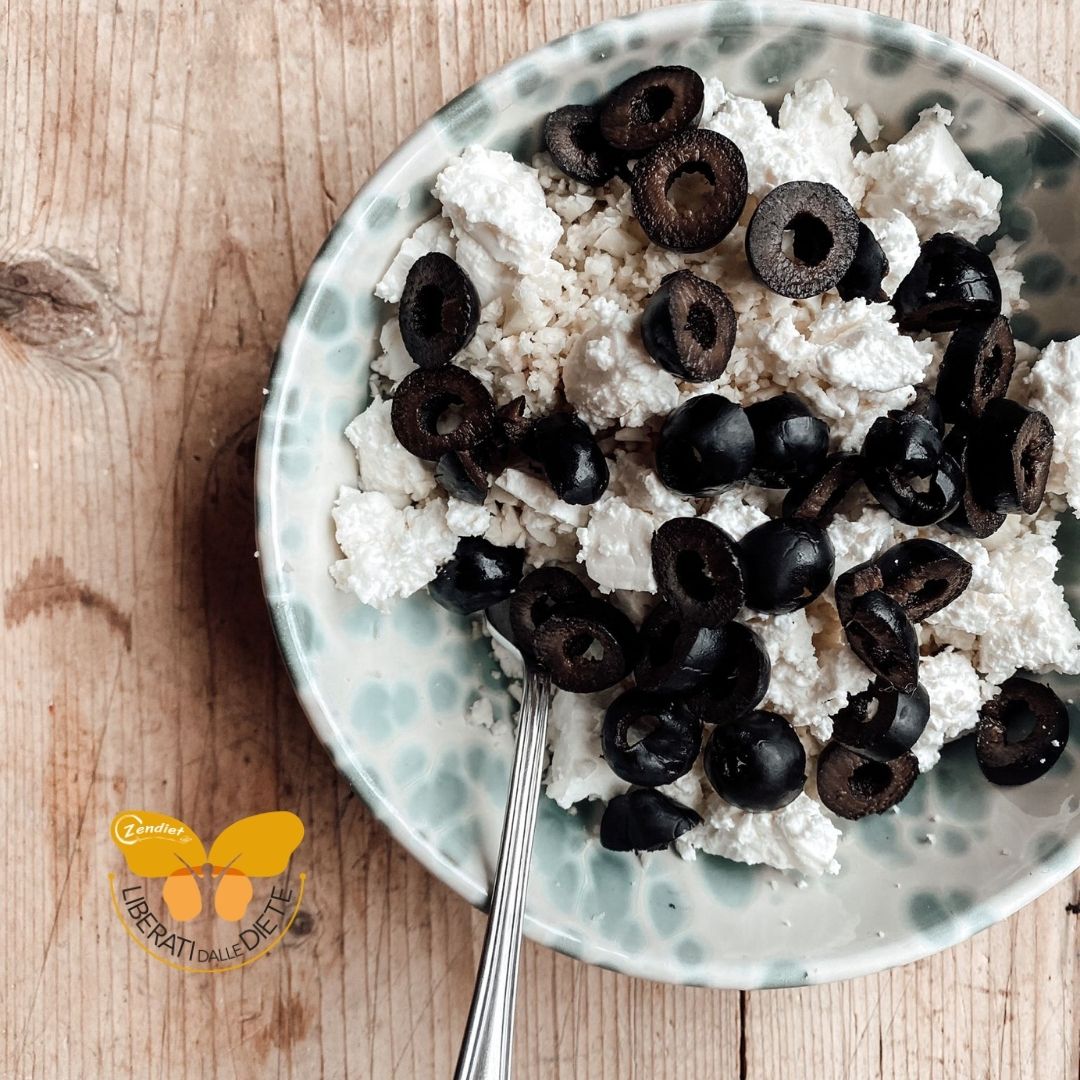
[(245, 871)]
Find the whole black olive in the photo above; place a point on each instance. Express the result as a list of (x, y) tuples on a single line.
[(705, 446), (570, 457), (881, 723), (790, 443), (650, 739), (688, 327), (675, 654), (697, 570), (882, 637), (786, 565), (1011, 448), (479, 574), (739, 681), (644, 820), (852, 785), (951, 283), (756, 763), (1018, 757)]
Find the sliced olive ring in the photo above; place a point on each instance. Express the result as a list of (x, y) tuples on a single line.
[(688, 327), (690, 224), (976, 369), (461, 475), (1011, 761), (479, 575), (1011, 447), (825, 232), (572, 460), (585, 645), (786, 565), (574, 141), (881, 723), (951, 283), (739, 682), (817, 497), (425, 399), (674, 654), (969, 518), (756, 763), (535, 598), (868, 269), (512, 422), (790, 443), (705, 446), (882, 637), (439, 310), (923, 576), (644, 820), (927, 406), (697, 570), (853, 786), (908, 471), (651, 106), (858, 581), (649, 739)]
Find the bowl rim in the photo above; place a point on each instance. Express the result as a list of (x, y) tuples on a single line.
[(875, 955)]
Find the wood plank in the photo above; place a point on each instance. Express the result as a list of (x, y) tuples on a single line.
[(167, 172)]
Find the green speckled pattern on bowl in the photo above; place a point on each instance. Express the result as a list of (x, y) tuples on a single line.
[(387, 693)]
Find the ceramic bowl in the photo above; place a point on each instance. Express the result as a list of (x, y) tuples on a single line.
[(387, 693)]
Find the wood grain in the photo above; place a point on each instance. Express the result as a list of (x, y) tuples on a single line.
[(167, 171)]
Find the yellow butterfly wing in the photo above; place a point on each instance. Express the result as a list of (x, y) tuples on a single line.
[(154, 845), (260, 845)]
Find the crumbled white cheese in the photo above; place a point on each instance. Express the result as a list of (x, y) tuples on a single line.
[(608, 376), (389, 552), (538, 495), (499, 203), (956, 694), (578, 770), (868, 123), (926, 175), (900, 242), (798, 837), (616, 546), (432, 235), (385, 465), (394, 362), (467, 519), (736, 511), (1054, 388)]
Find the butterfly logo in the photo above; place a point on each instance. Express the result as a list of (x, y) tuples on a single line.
[(158, 846)]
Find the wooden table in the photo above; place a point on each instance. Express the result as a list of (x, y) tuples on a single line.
[(168, 168)]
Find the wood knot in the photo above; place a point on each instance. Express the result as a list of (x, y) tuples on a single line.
[(55, 302)]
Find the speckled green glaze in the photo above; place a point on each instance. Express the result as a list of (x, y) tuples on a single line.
[(387, 694)]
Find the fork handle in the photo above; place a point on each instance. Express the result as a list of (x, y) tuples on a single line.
[(488, 1040)]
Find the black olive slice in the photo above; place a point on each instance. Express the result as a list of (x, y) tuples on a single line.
[(586, 645), (688, 327), (926, 405), (1011, 447), (951, 283), (739, 682), (1022, 756), (440, 410), (868, 269), (512, 422), (786, 565), (674, 654), (461, 475), (825, 237), (572, 137), (858, 581), (969, 518), (650, 739), (644, 820), (790, 443), (439, 310), (882, 637), (535, 598), (570, 457), (817, 497), (756, 763), (479, 574), (697, 570), (923, 576), (977, 368), (881, 723), (853, 786), (907, 470), (690, 220), (650, 107), (705, 446)]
